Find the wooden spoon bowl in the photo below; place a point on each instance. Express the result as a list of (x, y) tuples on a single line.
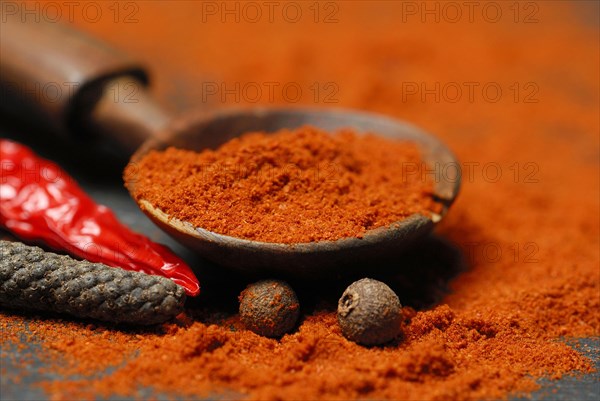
[(198, 132)]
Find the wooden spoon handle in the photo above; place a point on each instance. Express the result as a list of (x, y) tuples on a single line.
[(74, 83)]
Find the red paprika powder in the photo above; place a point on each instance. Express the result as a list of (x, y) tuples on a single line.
[(288, 187)]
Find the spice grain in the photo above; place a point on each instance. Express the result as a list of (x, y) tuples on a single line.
[(269, 307), (369, 312)]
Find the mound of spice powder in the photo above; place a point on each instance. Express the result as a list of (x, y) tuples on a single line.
[(288, 187)]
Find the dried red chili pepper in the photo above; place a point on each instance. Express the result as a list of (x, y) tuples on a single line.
[(41, 202)]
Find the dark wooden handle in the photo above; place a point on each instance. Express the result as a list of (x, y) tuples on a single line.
[(74, 82)]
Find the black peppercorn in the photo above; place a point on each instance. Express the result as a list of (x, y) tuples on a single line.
[(369, 312), (269, 308)]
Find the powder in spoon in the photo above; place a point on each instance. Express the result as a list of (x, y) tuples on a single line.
[(289, 187)]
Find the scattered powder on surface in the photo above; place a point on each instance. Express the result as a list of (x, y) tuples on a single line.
[(443, 354)]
